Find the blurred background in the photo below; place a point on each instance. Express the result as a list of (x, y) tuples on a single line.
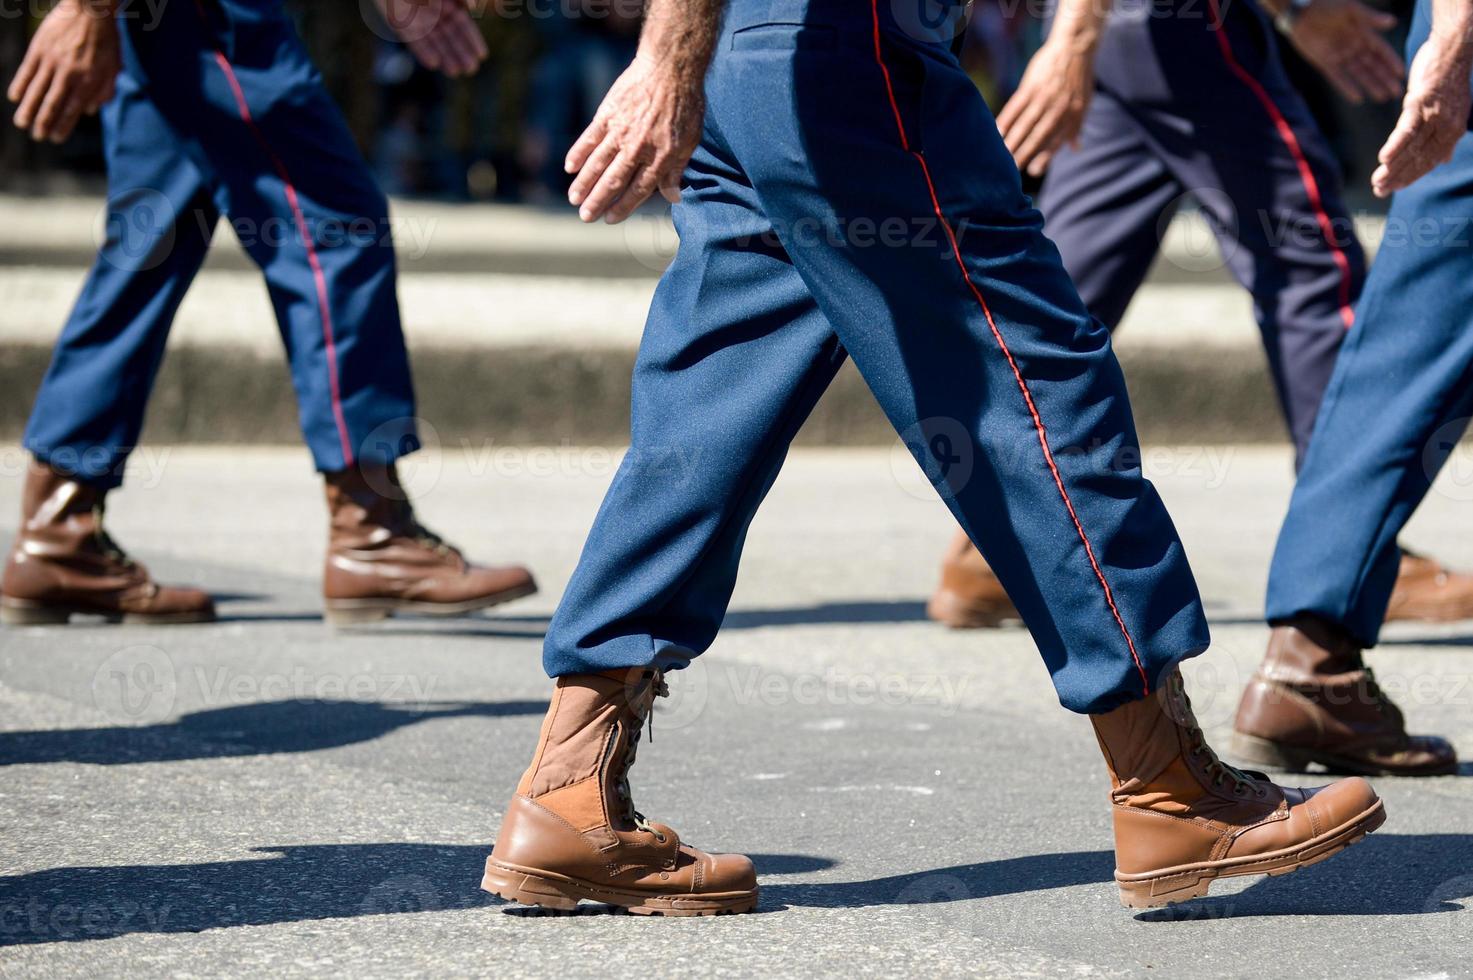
[(500, 135), (523, 322)]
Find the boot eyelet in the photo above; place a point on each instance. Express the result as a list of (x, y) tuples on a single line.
[(659, 837)]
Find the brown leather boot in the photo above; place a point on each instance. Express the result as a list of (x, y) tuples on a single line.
[(1426, 590), (1183, 817), (1314, 700), (969, 596), (63, 563), (572, 832), (381, 560)]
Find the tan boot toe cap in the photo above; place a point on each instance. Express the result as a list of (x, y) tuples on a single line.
[(1340, 802), (729, 873)]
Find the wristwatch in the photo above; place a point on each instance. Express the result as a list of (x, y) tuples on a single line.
[(1286, 18)]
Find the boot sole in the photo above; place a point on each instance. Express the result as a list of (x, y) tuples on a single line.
[(1281, 757), (27, 612), (950, 609), (547, 890), (1158, 888), (355, 612)]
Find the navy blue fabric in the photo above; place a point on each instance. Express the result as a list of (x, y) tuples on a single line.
[(808, 233), (1174, 115), (180, 154), (1397, 405)]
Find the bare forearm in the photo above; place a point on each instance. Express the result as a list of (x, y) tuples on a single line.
[(1078, 24), (1452, 28), (680, 35)]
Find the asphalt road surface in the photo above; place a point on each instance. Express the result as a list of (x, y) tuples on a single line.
[(266, 795)]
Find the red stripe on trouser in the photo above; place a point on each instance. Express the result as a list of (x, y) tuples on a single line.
[(318, 278), (1301, 162), (1038, 426)]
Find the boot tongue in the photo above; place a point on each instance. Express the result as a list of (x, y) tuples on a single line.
[(1158, 756), (1200, 755), (641, 711)]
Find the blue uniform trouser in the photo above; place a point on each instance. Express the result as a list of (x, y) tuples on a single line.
[(1191, 98), (852, 198), (219, 111), (1397, 404)]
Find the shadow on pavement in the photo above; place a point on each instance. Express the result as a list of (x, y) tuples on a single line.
[(286, 884), (878, 611), (525, 626), (961, 883), (1389, 875), (898, 611), (1385, 874), (243, 730)]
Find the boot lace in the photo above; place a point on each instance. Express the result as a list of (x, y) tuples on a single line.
[(416, 531), (621, 785), (1384, 704), (105, 542), (1219, 771)]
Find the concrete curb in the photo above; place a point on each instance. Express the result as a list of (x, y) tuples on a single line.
[(545, 395), (479, 238), (523, 325)]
